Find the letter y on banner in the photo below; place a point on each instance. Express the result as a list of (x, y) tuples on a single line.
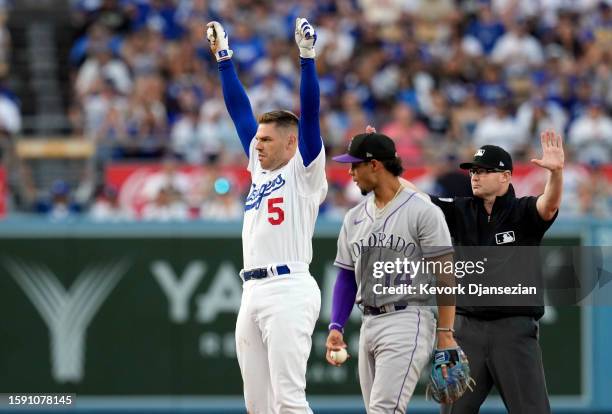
[(67, 312)]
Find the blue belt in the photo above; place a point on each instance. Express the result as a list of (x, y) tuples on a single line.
[(262, 272), (371, 310)]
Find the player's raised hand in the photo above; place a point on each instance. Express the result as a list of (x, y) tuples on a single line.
[(218, 41), (335, 342), (552, 151), (370, 129), (305, 37)]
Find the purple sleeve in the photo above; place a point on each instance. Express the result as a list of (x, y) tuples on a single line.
[(345, 291)]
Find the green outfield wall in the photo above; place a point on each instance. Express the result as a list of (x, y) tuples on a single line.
[(152, 312)]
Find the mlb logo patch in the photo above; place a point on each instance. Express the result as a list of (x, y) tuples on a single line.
[(505, 237), (440, 357), (479, 153)]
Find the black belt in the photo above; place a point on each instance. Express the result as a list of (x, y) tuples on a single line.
[(371, 310), (262, 272)]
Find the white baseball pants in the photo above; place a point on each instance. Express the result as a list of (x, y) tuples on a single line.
[(273, 340)]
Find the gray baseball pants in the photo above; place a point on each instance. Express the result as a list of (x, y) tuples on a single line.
[(393, 350)]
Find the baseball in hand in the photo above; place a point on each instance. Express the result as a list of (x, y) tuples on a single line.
[(339, 356)]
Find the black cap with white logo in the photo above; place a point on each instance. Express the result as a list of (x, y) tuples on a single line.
[(490, 157), (369, 146)]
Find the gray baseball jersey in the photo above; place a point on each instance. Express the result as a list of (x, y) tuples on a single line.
[(394, 347), (409, 229)]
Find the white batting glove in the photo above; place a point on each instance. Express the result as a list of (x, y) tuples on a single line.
[(305, 37), (218, 41)]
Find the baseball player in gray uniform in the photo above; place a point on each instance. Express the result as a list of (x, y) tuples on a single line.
[(398, 329)]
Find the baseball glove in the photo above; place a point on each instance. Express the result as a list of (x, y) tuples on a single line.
[(450, 376)]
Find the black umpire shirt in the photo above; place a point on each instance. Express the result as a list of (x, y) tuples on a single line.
[(513, 222)]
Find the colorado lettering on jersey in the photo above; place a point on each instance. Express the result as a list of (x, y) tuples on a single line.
[(389, 241), (257, 194)]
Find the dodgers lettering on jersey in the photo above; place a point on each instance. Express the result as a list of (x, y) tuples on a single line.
[(258, 193), (281, 210), (412, 227)]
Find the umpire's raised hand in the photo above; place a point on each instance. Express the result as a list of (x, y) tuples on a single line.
[(553, 157), (553, 160)]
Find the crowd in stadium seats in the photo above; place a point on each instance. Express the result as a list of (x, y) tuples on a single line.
[(441, 77), (10, 117)]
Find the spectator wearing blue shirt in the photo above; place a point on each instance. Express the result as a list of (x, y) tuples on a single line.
[(248, 47), (492, 88), (486, 28)]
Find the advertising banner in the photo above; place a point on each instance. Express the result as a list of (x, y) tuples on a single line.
[(147, 316)]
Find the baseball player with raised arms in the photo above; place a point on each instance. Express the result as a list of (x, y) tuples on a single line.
[(281, 300), (398, 330)]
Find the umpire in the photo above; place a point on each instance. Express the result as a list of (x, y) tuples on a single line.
[(502, 342)]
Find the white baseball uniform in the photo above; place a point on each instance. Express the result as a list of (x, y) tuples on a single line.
[(280, 300), (281, 210), (394, 346), (278, 314)]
